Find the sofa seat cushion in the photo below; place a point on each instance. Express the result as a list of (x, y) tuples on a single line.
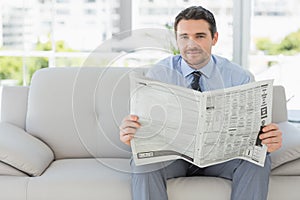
[(13, 187), (194, 188), (78, 179), (107, 178), (284, 187)]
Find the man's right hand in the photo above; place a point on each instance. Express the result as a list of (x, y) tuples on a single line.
[(128, 128)]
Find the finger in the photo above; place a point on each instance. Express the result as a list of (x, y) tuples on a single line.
[(269, 134), (271, 140), (126, 136), (131, 118), (128, 130), (270, 127), (130, 124), (126, 139)]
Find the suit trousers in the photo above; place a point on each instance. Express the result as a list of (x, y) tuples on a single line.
[(249, 181)]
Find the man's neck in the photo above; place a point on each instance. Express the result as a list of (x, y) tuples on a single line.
[(198, 66)]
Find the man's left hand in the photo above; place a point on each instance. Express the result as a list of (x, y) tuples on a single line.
[(271, 137)]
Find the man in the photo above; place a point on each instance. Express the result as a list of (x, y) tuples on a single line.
[(196, 33)]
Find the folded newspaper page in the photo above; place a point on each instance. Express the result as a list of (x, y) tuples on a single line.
[(202, 128)]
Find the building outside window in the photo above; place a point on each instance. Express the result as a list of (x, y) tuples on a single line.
[(275, 45)]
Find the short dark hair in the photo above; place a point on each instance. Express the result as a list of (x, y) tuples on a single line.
[(197, 12)]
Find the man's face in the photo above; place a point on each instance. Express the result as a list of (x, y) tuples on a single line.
[(195, 42)]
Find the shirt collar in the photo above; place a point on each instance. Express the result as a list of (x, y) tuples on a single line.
[(205, 70)]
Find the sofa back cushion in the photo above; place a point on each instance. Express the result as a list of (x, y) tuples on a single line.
[(77, 111)]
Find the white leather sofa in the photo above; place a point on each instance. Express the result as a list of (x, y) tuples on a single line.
[(59, 140)]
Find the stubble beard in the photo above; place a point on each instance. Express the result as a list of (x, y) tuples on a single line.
[(196, 58)]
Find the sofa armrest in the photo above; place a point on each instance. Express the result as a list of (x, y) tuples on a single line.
[(290, 149), (14, 105), (279, 111), (23, 151)]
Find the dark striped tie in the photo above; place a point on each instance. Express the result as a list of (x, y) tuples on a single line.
[(195, 82)]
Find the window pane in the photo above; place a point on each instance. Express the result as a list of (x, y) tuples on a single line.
[(24, 24), (275, 45), (83, 25), (11, 70), (32, 64)]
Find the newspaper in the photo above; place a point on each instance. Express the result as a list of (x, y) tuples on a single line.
[(202, 128)]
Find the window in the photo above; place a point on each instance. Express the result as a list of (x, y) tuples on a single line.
[(275, 45), (55, 33)]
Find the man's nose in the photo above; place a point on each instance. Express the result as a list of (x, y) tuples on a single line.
[(191, 43)]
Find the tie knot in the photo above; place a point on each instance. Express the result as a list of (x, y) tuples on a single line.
[(195, 82), (196, 75)]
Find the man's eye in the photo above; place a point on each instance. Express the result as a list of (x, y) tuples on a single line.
[(184, 37), (200, 36)]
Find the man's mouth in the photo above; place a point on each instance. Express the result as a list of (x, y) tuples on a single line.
[(193, 52)]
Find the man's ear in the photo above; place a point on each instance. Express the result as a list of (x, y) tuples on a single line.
[(215, 38)]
